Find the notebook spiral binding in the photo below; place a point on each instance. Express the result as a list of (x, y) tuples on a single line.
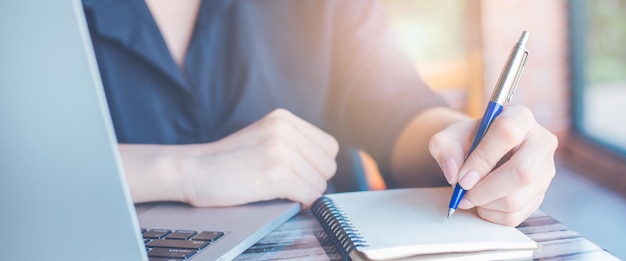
[(344, 236)]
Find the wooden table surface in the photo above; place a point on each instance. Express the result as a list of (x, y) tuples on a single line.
[(302, 238)]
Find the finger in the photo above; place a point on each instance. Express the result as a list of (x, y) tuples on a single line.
[(447, 148), (292, 155), (531, 168), (314, 145), (324, 165), (519, 199), (317, 136), (506, 132), (511, 219), (294, 188), (283, 133), (309, 174), (304, 195), (494, 194)]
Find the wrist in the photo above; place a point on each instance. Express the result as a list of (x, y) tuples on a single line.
[(153, 172), (411, 162)]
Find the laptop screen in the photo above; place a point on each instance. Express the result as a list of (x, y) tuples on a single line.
[(60, 169)]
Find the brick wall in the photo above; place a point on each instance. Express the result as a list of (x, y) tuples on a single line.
[(544, 86)]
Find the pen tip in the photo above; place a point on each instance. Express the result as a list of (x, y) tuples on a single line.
[(450, 212)]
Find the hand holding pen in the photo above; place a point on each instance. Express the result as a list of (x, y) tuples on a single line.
[(502, 94), (510, 193)]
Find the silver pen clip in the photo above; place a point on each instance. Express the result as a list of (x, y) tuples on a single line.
[(518, 75)]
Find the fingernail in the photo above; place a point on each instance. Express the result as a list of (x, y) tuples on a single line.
[(465, 204), (469, 180), (450, 170)]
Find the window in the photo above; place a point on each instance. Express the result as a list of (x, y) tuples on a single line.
[(598, 38)]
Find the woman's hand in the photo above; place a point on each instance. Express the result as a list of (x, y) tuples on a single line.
[(508, 173), (279, 156)]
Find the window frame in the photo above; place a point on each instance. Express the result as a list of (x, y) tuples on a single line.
[(594, 158), (577, 35)]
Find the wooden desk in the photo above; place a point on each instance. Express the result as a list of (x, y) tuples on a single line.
[(302, 238)]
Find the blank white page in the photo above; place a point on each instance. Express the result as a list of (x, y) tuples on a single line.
[(406, 222)]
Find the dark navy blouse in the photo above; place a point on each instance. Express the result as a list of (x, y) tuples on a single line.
[(332, 63)]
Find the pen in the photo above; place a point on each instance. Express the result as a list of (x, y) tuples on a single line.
[(502, 93)]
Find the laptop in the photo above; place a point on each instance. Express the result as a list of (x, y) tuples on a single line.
[(63, 194)]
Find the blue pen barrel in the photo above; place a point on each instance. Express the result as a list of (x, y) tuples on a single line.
[(456, 196), (492, 111)]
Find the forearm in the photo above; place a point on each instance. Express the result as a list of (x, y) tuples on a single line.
[(279, 156), (411, 162)]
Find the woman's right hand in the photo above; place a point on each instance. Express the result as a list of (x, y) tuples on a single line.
[(278, 156)]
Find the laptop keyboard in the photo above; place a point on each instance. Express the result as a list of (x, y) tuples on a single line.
[(171, 245)]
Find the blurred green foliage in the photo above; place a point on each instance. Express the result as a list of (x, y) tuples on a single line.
[(606, 41)]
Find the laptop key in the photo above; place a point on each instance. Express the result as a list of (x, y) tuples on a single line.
[(175, 243), (181, 234), (152, 258), (156, 233), (208, 236), (172, 253)]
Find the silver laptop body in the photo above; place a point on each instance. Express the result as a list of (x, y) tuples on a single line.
[(63, 194)]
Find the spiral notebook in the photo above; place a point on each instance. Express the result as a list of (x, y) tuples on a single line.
[(401, 224)]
